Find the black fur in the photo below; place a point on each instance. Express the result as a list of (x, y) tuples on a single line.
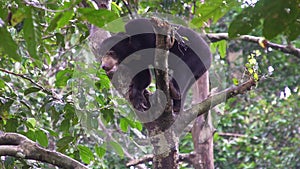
[(189, 59)]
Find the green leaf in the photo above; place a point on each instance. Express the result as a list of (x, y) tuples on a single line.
[(5, 107), (60, 39), (85, 153), (65, 125), (65, 141), (30, 34), (100, 150), (123, 124), (2, 83), (118, 148), (255, 76), (11, 125), (100, 17), (245, 22), (221, 46), (92, 123), (42, 138), (8, 45), (53, 24), (268, 28), (65, 19), (70, 111), (31, 90), (52, 133), (116, 8), (61, 18), (212, 10), (31, 135), (108, 114), (294, 31), (18, 17), (279, 17), (139, 125), (235, 81), (250, 70), (32, 121), (62, 77), (252, 61), (104, 82)]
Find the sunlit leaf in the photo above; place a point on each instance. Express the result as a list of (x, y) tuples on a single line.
[(221, 46), (235, 81), (65, 19), (123, 124), (100, 150), (139, 126), (17, 17), (32, 121), (255, 76), (53, 24)]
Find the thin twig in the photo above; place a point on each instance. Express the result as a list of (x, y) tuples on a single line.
[(27, 78), (214, 37), (231, 134), (127, 7)]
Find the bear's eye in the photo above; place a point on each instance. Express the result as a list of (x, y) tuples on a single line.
[(112, 54)]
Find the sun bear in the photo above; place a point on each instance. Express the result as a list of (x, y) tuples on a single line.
[(189, 59)]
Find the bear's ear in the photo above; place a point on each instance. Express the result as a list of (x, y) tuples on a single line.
[(116, 43)]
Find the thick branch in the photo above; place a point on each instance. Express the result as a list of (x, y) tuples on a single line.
[(164, 143), (162, 30), (149, 157), (218, 98), (143, 160), (17, 145), (214, 37)]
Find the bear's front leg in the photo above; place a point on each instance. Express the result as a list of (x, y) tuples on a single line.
[(174, 89), (139, 98), (175, 95)]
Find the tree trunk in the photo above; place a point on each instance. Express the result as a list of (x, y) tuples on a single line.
[(202, 130)]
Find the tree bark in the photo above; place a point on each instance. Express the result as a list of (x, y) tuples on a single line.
[(164, 141), (17, 145), (202, 130)]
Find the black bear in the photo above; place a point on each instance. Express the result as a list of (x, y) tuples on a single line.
[(189, 59)]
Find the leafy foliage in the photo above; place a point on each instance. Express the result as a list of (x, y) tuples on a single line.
[(278, 18)]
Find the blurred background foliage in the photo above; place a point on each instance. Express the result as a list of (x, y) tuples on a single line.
[(52, 92)]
